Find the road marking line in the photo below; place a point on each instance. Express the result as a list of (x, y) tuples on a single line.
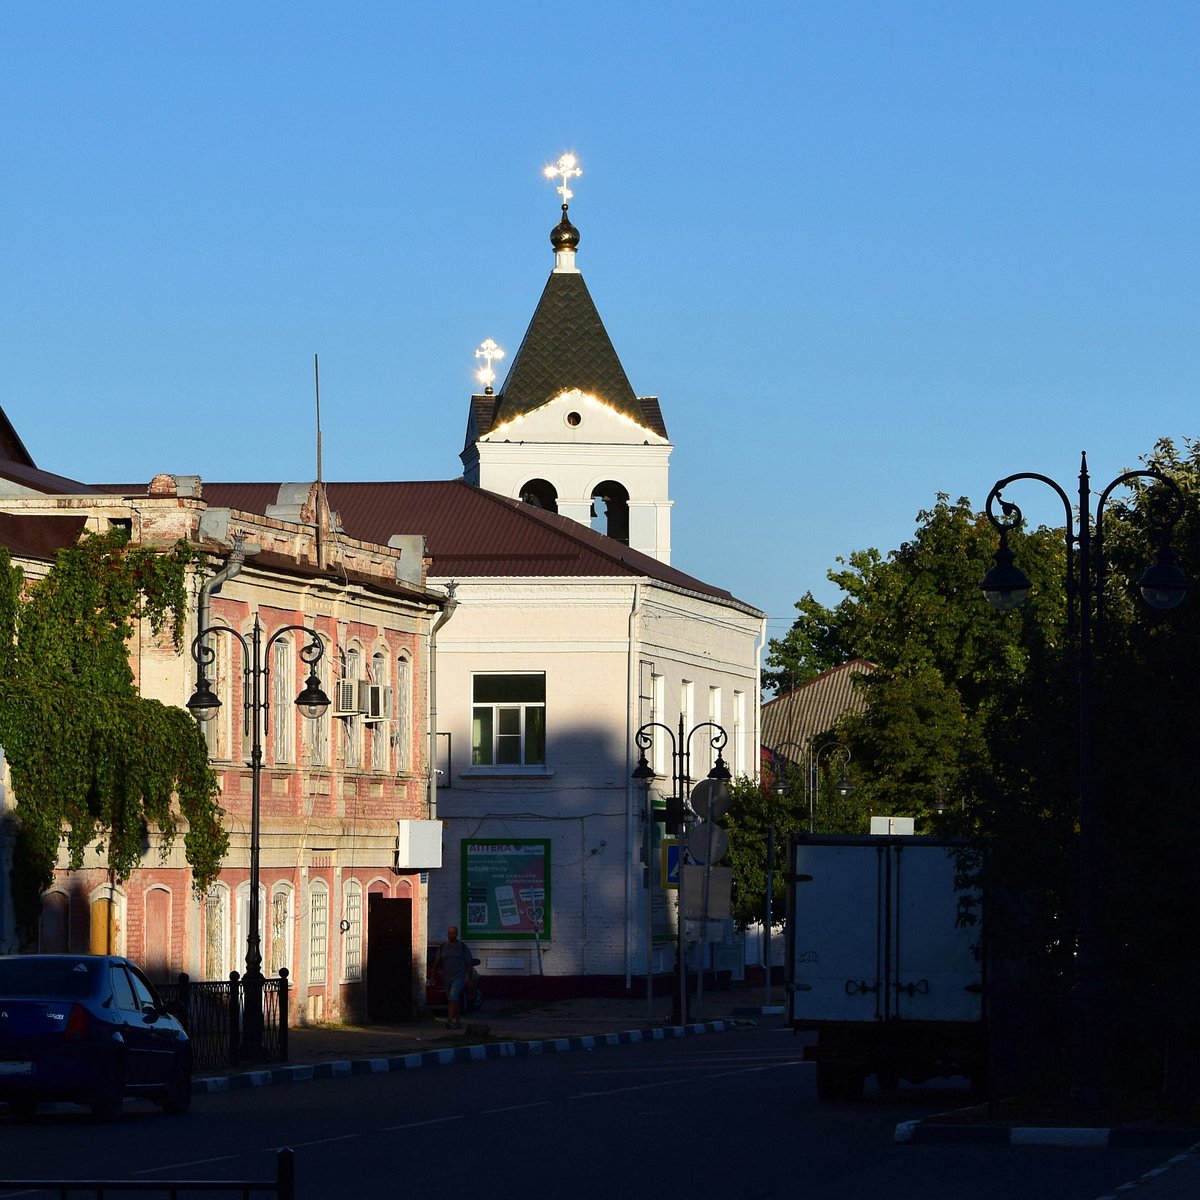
[(514, 1108), (196, 1162), (419, 1124), (345, 1137)]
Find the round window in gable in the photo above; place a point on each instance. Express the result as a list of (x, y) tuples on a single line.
[(573, 419)]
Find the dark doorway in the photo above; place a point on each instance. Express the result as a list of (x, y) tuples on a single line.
[(389, 959)]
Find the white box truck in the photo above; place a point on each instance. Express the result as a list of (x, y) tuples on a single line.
[(883, 962)]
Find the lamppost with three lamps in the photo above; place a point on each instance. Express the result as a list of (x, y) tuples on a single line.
[(203, 705), (681, 782), (1006, 586)]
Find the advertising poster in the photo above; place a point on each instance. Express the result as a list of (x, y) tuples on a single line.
[(506, 889)]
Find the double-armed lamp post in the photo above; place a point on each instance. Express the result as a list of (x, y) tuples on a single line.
[(810, 758), (312, 703), (681, 783), (1163, 586)]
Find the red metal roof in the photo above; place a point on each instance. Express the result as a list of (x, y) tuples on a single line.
[(472, 532)]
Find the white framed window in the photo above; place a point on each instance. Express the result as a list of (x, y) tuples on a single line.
[(352, 895), (508, 720), (353, 727), (714, 715), (739, 733), (316, 731), (216, 730), (281, 928), (687, 705), (402, 733), (658, 701), (241, 935), (217, 955), (379, 729), (283, 697), (318, 932)]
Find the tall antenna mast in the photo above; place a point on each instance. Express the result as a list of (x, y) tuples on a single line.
[(322, 506), (317, 385)]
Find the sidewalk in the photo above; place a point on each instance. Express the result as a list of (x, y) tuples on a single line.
[(500, 1029)]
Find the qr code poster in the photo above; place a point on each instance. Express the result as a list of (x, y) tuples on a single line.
[(506, 888)]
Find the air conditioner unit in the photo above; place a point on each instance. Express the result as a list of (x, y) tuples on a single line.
[(375, 701), (345, 699)]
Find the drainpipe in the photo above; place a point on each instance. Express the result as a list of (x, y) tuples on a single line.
[(634, 715), (237, 557), (447, 613)]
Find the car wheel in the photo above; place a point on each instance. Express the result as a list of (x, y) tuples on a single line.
[(178, 1097), (109, 1104), (23, 1108)]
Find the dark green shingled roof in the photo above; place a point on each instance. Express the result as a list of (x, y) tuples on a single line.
[(566, 346)]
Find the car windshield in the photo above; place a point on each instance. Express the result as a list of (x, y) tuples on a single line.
[(67, 977)]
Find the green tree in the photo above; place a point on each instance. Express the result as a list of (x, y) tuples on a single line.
[(90, 759)]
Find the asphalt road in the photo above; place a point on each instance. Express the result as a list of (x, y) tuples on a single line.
[(723, 1115)]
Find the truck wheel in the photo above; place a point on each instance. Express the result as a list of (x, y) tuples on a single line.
[(828, 1082), (836, 1082)]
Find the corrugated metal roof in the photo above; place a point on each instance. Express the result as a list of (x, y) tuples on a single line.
[(40, 536), (473, 532), (795, 718)]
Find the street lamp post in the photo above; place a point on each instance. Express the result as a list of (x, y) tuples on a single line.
[(811, 760), (203, 705), (681, 782), (1006, 586)]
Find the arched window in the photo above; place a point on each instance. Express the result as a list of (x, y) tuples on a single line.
[(318, 932), (283, 696), (316, 732), (107, 921), (54, 929), (610, 510), (379, 729), (280, 952), (217, 956), (403, 710), (216, 731), (241, 937), (540, 493), (156, 937), (352, 931), (353, 733)]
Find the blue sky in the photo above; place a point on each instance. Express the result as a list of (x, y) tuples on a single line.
[(863, 252)]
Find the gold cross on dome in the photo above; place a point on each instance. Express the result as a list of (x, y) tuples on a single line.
[(565, 169), (489, 352)]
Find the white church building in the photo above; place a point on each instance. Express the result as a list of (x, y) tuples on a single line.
[(561, 642)]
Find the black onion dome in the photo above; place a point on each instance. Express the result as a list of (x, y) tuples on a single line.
[(564, 236)]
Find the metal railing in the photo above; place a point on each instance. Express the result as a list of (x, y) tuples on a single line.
[(211, 1012), (283, 1186)]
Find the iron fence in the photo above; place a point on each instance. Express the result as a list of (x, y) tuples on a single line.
[(212, 1013)]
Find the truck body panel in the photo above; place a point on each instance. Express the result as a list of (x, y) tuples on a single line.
[(879, 961)]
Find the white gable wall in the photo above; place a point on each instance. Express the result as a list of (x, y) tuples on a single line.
[(598, 642)]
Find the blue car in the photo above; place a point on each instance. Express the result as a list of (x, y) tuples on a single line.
[(89, 1029)]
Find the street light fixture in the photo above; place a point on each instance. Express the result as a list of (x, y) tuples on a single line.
[(203, 705), (810, 758), (681, 782), (1006, 586)]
